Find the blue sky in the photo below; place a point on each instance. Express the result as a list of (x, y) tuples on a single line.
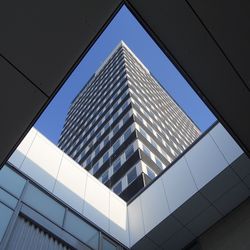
[(124, 27)]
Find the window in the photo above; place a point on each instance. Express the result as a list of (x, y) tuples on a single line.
[(151, 173), (106, 156), (95, 167), (146, 151), (127, 133), (105, 141), (118, 188), (129, 151), (115, 116), (88, 161), (131, 175), (116, 165), (97, 150), (158, 163), (126, 117), (105, 176), (115, 129), (116, 145)]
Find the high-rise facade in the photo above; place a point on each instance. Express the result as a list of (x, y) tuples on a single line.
[(123, 127)]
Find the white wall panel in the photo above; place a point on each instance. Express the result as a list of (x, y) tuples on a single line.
[(70, 183), (118, 224), (19, 154), (205, 161), (96, 206), (226, 143), (42, 162), (179, 184), (136, 225), (154, 205)]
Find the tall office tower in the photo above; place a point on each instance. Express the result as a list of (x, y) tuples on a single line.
[(123, 127)]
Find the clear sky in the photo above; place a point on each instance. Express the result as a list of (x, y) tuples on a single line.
[(124, 27)]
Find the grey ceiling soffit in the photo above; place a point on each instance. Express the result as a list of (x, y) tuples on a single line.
[(209, 43), (41, 43)]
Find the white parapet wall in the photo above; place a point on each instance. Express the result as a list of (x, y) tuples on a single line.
[(46, 164), (193, 187)]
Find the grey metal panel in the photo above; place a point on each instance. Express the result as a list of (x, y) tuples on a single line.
[(20, 102), (27, 236), (44, 39), (182, 35), (229, 24)]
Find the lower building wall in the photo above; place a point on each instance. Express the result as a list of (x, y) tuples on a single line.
[(230, 233)]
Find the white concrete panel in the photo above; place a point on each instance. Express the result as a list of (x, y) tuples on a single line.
[(220, 184), (136, 225), (154, 205), (204, 220), (232, 198), (205, 161), (118, 219), (226, 143), (179, 184), (96, 206), (70, 183), (42, 162), (19, 154)]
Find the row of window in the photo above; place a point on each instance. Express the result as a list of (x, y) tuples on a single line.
[(151, 155), (123, 157), (112, 132), (108, 108), (97, 107), (164, 116), (88, 103), (149, 114), (131, 175), (95, 82), (157, 135), (111, 150), (156, 92), (153, 143), (116, 165), (127, 179)]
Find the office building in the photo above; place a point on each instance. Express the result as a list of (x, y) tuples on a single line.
[(123, 127), (200, 202)]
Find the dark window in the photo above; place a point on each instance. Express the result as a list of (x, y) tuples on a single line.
[(105, 141), (116, 145), (129, 151), (125, 118), (95, 167), (115, 129), (105, 177), (118, 188), (105, 156), (97, 150), (116, 165), (132, 175), (127, 133)]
